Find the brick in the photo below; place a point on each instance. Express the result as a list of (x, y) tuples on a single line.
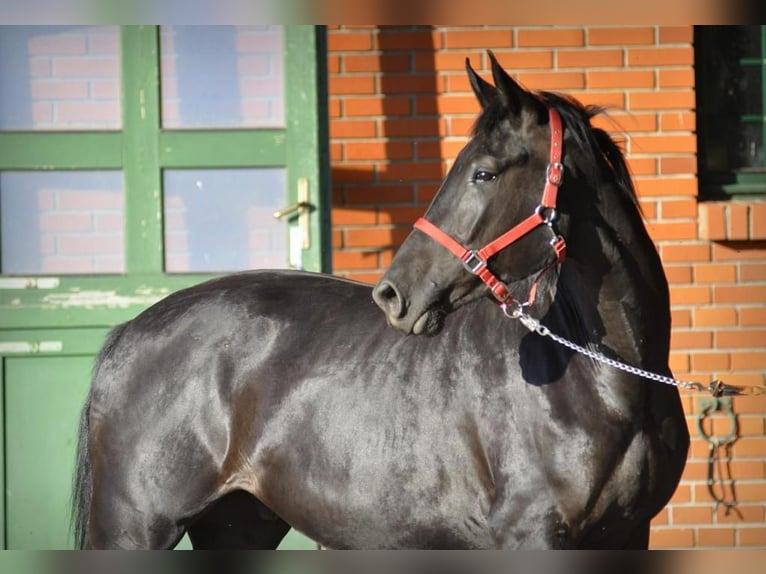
[(678, 273), (524, 60), (378, 150), (678, 121), (400, 215), (501, 38), (663, 143), (676, 34), (589, 58), (747, 447), (620, 36), (716, 537), (688, 252), (656, 187), (751, 272), (413, 171), (352, 128), (550, 37), (374, 237), (349, 41), (355, 85), (441, 61), (412, 127), (678, 165), (620, 79), (378, 194), (447, 104), (680, 340), (752, 536), (751, 492), (553, 80), (679, 363), (662, 100), (640, 166), (671, 538), (672, 231), (622, 122), (661, 56), (610, 100), (741, 339), (715, 273), (368, 278), (757, 221), (737, 221), (712, 361), (691, 515), (679, 209), (354, 260), (391, 39), (744, 513), (739, 294), (345, 216), (377, 106), (739, 250), (683, 78), (714, 317), (376, 63), (356, 173), (752, 317)]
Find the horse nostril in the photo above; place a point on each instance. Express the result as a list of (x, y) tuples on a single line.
[(389, 299)]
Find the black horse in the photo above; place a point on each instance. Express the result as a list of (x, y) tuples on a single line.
[(262, 400)]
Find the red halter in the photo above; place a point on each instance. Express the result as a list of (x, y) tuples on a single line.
[(475, 261)]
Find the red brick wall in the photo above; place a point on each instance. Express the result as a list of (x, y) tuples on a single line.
[(401, 108)]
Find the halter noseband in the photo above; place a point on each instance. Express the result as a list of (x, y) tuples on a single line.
[(475, 261)]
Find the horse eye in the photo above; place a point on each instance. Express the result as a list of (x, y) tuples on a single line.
[(484, 176)]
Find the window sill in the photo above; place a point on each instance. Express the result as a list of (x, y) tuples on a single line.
[(738, 220)]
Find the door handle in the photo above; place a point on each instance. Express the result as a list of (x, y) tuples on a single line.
[(303, 208)]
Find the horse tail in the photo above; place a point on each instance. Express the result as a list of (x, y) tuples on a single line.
[(83, 485)]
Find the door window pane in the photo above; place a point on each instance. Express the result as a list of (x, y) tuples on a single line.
[(222, 76), (62, 222), (59, 78), (223, 220)]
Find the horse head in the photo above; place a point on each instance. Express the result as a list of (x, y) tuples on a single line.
[(492, 225)]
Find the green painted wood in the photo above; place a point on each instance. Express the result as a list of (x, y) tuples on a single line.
[(307, 148), (141, 122), (61, 322), (223, 149), (43, 399), (52, 151)]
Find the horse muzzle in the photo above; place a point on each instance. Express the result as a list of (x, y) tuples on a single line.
[(403, 315)]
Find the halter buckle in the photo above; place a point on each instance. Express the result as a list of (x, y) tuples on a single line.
[(473, 263), (554, 173)]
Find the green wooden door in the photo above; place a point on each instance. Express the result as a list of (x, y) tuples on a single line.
[(135, 161)]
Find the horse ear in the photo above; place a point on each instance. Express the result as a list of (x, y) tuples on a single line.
[(514, 95), (485, 92)]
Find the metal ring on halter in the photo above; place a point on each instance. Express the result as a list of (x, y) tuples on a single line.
[(473, 263), (548, 214)]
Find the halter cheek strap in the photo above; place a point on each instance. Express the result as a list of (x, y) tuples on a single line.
[(475, 261)]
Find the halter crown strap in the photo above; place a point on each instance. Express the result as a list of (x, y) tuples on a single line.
[(475, 261)]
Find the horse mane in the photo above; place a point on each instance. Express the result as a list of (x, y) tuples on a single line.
[(598, 144), (595, 141)]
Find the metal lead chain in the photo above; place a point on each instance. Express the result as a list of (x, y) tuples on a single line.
[(517, 312)]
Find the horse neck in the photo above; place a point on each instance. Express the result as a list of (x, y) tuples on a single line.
[(612, 285)]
